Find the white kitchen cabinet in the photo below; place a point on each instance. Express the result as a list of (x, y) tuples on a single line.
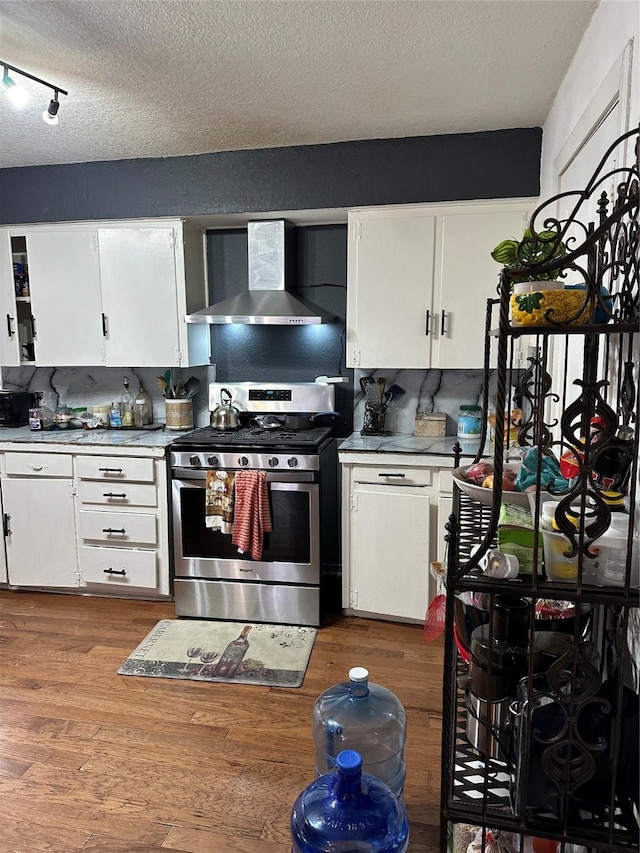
[(64, 278), (391, 533), (39, 520), (106, 293), (418, 280), (150, 280), (122, 523)]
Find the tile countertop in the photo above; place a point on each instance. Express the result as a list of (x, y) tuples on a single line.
[(406, 443), (145, 442)]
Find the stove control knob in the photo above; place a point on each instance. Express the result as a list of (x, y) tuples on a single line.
[(274, 462), (243, 461), (292, 462), (195, 461), (213, 461)]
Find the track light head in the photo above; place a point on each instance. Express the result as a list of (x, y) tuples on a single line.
[(16, 94), (50, 115)]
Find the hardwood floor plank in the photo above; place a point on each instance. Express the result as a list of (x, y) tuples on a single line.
[(94, 761)]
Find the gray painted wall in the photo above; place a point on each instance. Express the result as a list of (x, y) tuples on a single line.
[(496, 164)]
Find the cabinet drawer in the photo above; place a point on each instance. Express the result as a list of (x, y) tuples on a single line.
[(392, 475), (114, 495), (118, 527), (119, 566), (38, 464), (115, 468)]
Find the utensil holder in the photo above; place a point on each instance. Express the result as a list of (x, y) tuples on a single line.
[(179, 414), (373, 421)]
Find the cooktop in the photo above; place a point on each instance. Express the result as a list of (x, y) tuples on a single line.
[(253, 437)]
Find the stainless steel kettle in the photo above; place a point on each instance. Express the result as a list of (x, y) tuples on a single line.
[(225, 416)]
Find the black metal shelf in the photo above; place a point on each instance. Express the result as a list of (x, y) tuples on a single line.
[(549, 745)]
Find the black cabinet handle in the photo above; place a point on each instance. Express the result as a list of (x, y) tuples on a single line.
[(391, 474), (6, 518), (111, 470), (9, 325), (114, 495), (104, 325), (33, 327), (442, 323), (426, 328), (113, 530), (114, 571)]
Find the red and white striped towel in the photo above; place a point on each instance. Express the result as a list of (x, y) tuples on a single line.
[(252, 515)]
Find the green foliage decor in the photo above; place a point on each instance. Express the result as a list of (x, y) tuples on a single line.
[(533, 249)]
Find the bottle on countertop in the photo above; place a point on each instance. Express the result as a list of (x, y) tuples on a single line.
[(126, 405), (142, 408), (232, 656), (35, 412), (115, 415)]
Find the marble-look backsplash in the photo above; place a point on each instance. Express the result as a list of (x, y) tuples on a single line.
[(95, 386), (428, 391)]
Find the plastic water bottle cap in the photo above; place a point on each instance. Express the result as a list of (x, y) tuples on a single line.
[(349, 761), (358, 673)]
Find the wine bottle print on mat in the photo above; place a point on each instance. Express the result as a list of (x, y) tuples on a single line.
[(233, 655)]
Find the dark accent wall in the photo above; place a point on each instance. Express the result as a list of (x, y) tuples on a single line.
[(280, 353), (493, 164)]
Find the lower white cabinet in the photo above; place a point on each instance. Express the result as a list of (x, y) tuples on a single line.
[(85, 520), (39, 520), (391, 533)]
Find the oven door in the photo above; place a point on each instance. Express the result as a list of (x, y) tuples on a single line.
[(291, 552)]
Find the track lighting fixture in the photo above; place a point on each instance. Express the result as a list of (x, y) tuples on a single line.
[(19, 96)]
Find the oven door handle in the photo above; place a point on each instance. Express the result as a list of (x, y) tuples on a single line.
[(197, 477)]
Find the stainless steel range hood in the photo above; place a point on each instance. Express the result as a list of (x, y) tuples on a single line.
[(267, 301)]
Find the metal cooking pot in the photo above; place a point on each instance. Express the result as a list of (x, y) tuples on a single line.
[(225, 416), (304, 421)]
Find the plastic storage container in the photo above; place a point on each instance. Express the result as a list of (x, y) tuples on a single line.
[(469, 422), (366, 717), (349, 810)]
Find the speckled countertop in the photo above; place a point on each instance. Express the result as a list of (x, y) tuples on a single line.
[(62, 439), (406, 443)]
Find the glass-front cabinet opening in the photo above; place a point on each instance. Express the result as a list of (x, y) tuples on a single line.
[(24, 326)]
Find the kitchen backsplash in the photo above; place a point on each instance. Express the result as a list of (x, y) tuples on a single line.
[(94, 386), (425, 391)]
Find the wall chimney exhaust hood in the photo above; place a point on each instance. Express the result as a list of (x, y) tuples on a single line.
[(267, 301)]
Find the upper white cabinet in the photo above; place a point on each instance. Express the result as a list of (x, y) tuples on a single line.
[(390, 288), (104, 293), (419, 278)]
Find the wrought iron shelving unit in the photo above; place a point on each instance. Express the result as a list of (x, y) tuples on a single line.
[(568, 764)]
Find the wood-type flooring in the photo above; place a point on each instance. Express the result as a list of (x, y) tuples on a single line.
[(94, 761)]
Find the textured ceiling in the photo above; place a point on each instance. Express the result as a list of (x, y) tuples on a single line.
[(157, 78)]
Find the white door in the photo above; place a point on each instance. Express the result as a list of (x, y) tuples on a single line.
[(390, 551), (66, 306), (466, 277), (139, 287), (389, 293), (41, 532), (9, 338)]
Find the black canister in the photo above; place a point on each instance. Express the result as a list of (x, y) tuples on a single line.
[(510, 620)]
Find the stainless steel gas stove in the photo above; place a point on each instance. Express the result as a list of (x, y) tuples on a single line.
[(212, 580)]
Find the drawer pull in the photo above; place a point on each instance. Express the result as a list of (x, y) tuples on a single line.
[(111, 470), (35, 467), (391, 474), (113, 530), (114, 571), (114, 494)]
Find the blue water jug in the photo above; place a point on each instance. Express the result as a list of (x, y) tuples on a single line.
[(358, 714), (348, 810)]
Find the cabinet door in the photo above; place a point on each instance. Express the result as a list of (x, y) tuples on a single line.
[(9, 339), (390, 550), (41, 534), (389, 293), (466, 277), (64, 279), (139, 295)]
